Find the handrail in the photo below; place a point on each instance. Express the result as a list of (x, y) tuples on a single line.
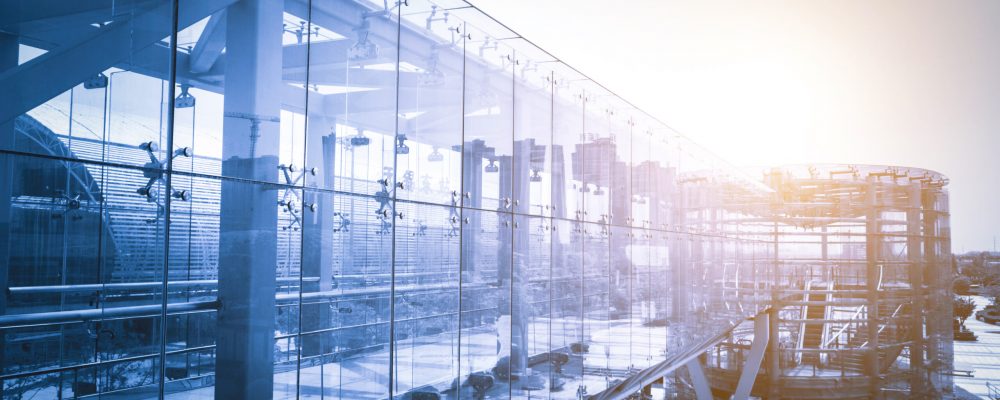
[(857, 314), (882, 328), (802, 326), (649, 375), (846, 324), (89, 287), (77, 316)]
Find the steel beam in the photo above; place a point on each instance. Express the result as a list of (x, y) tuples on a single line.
[(761, 337), (45, 77), (701, 388), (210, 43)]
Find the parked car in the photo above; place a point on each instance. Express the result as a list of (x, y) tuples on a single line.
[(989, 315)]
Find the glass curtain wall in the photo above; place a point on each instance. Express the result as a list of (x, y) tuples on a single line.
[(341, 199)]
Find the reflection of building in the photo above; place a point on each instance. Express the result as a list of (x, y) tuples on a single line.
[(369, 200), (863, 308)]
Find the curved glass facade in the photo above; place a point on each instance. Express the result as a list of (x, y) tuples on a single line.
[(346, 199)]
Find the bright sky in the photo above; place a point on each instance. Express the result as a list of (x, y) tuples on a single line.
[(913, 83)]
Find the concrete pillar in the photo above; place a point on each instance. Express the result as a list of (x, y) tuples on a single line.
[(8, 60), (873, 246), (472, 183), (317, 232), (914, 257), (248, 216)]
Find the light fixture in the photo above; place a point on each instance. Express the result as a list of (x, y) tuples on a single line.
[(435, 156), (360, 139), (96, 82), (492, 166), (401, 147), (185, 99), (363, 49), (534, 176)]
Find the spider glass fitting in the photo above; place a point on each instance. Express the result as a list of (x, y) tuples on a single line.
[(343, 222), (292, 177), (154, 170), (72, 203)]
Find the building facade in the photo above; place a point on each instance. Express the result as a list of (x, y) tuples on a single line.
[(369, 199)]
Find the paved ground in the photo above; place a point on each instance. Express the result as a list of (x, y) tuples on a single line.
[(982, 357)]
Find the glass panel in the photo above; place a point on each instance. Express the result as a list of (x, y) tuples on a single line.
[(597, 292), (536, 361), (567, 168), (567, 307), (489, 115), (426, 310), (532, 138), (486, 302), (429, 148)]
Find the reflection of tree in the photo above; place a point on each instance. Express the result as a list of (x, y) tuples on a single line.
[(963, 308), (98, 342)]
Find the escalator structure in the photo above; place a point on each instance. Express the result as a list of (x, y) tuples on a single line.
[(832, 354), (814, 333)]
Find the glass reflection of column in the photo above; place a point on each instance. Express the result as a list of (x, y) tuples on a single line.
[(8, 59), (248, 229)]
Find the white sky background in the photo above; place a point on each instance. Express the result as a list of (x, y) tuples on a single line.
[(760, 83)]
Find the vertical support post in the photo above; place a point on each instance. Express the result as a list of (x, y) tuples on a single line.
[(938, 282), (472, 183), (873, 240), (248, 216), (914, 256), (761, 337), (8, 60), (678, 260), (520, 318), (702, 390)]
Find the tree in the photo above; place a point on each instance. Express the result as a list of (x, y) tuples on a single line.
[(962, 285), (963, 308)]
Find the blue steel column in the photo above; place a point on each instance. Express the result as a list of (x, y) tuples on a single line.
[(8, 60), (248, 220)]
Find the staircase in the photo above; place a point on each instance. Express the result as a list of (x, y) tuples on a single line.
[(891, 333)]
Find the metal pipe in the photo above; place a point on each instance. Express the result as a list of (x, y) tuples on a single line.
[(92, 314)]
